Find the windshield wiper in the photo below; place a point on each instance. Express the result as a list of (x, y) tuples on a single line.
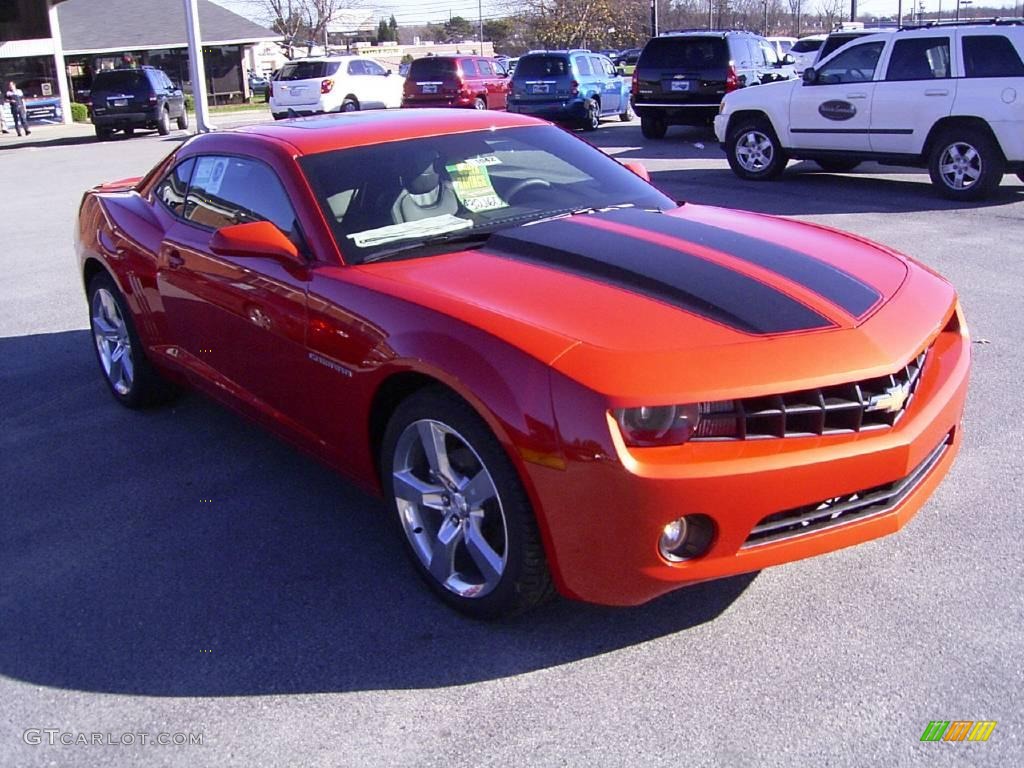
[(478, 237), (564, 214)]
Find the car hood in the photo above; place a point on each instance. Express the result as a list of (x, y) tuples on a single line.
[(678, 295)]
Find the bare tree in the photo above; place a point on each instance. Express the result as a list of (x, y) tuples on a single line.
[(796, 13), (302, 23), (831, 12)]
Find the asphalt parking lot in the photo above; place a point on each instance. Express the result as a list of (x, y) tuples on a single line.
[(280, 621)]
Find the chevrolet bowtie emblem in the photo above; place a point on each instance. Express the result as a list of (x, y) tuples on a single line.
[(890, 401)]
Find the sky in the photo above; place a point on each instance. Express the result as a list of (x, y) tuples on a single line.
[(416, 13)]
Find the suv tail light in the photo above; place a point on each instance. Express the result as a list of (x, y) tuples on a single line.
[(574, 88), (326, 86), (635, 87), (732, 82)]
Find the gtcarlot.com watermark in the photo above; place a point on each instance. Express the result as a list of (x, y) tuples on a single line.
[(58, 737)]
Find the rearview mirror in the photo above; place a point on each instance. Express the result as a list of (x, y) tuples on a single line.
[(638, 168), (256, 238), (810, 76)]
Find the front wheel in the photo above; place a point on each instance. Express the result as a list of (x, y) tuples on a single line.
[(592, 116), (465, 518), (653, 127), (966, 164), (754, 152), (132, 380)]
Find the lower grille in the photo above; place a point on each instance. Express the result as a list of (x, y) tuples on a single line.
[(843, 509)]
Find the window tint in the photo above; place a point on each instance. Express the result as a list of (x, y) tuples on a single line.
[(485, 68), (854, 65), (582, 66), (919, 58), (469, 68), (126, 80), (542, 66), (834, 42), (991, 56), (305, 70), (690, 53), (171, 191), (357, 67), (806, 46), (233, 190)]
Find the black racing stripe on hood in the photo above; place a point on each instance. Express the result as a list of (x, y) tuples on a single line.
[(839, 287), (691, 283)]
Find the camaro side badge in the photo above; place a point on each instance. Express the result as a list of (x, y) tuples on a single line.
[(890, 401), (336, 367)]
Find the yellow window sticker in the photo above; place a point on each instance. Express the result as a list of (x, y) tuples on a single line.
[(472, 184)]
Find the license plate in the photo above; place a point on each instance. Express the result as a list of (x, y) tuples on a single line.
[(120, 102), (540, 88), (431, 88), (680, 85)]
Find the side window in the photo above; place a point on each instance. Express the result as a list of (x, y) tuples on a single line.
[(235, 190), (991, 56), (582, 66), (499, 69), (855, 64), (485, 68), (469, 68), (769, 54), (596, 66), (356, 67), (919, 58), (172, 190), (373, 68), (609, 68)]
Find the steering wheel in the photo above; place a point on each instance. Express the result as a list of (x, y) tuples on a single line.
[(519, 186)]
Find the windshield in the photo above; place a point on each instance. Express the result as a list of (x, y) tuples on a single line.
[(806, 45), (397, 196)]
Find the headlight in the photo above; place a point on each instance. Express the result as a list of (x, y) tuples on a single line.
[(648, 426)]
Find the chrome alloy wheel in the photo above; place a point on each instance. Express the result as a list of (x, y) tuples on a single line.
[(112, 341), (960, 165), (754, 151), (449, 508)]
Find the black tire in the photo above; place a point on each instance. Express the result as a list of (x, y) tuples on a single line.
[(129, 131), (837, 165), (349, 105), (754, 151), (103, 134), (143, 386), (959, 153), (504, 521), (479, 103), (163, 123), (653, 127), (629, 114), (592, 115), (183, 120)]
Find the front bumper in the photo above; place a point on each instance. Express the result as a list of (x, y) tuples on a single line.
[(721, 126), (604, 513)]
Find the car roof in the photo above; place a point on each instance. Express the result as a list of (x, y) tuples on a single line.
[(321, 133)]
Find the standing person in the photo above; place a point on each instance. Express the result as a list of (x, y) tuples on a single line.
[(17, 101)]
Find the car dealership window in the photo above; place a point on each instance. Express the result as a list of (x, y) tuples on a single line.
[(233, 190), (171, 191), (991, 56), (919, 58)]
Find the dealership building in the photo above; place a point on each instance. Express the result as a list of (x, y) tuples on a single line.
[(52, 48)]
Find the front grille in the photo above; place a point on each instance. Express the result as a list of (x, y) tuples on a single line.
[(843, 509), (857, 406)]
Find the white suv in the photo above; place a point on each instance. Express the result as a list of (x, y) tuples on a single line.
[(946, 97), (333, 84)]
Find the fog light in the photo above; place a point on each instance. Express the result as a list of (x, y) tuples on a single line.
[(686, 538)]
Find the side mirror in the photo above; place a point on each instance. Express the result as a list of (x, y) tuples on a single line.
[(387, 72), (620, 72), (638, 168), (256, 238), (788, 59), (810, 76)]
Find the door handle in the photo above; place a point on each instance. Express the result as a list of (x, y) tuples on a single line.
[(936, 92), (175, 259), (856, 95)]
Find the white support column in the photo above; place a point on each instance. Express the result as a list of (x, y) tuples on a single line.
[(197, 68), (63, 86)]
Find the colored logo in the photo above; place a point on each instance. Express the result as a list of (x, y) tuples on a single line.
[(891, 401), (837, 110), (958, 730)]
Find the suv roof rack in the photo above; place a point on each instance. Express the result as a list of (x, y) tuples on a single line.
[(999, 21), (704, 30)]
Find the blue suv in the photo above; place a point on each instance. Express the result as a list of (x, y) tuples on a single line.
[(574, 86)]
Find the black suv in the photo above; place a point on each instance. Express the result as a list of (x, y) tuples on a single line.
[(136, 97), (681, 77)]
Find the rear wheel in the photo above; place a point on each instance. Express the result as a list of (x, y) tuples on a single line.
[(103, 133), (653, 127), (966, 164), (163, 122), (754, 151), (350, 105), (183, 120), (629, 114), (132, 380), (464, 516), (592, 116), (479, 103), (837, 165)]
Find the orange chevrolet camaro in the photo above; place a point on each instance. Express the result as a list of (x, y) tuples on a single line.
[(557, 377)]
